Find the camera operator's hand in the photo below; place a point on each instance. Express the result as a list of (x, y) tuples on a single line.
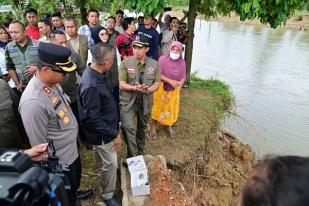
[(38, 152)]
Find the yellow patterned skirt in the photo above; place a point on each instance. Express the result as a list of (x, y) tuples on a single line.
[(165, 107)]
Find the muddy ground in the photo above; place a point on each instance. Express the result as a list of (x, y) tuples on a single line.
[(212, 177), (207, 166)]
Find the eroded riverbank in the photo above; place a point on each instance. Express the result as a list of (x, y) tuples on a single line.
[(207, 166)]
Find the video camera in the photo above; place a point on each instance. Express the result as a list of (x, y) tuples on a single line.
[(21, 183)]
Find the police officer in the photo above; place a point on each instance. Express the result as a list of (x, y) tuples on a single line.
[(46, 112), (139, 77)]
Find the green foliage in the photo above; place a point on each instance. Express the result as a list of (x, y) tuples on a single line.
[(102, 5), (178, 3), (146, 6), (71, 7), (274, 12), (115, 6), (5, 2), (5, 16), (211, 8)]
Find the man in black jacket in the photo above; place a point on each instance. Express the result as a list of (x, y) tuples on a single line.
[(98, 116)]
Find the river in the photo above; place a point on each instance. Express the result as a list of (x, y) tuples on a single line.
[(268, 71)]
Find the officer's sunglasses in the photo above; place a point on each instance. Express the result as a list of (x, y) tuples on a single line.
[(56, 69)]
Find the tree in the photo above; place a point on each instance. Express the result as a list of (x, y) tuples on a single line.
[(71, 7), (273, 12)]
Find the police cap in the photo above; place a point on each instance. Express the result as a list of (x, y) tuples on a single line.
[(56, 55)]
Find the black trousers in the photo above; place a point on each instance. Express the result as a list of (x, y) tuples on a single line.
[(74, 177)]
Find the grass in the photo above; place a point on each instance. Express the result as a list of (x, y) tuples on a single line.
[(201, 108), (214, 86)]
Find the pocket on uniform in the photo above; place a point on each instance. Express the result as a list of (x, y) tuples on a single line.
[(150, 79), (152, 76), (15, 57), (32, 59), (131, 76), (125, 98)]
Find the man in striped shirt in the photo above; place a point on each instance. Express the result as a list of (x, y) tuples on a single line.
[(93, 21)]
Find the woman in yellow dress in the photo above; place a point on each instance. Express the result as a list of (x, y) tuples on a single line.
[(166, 100)]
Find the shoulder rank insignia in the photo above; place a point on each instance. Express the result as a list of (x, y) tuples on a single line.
[(54, 100), (47, 90), (66, 120)]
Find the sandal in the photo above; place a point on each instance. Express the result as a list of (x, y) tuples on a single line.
[(152, 136), (172, 133)]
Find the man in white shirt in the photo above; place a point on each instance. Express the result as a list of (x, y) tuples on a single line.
[(119, 19), (93, 21)]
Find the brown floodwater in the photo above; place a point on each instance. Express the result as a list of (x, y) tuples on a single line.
[(268, 71)]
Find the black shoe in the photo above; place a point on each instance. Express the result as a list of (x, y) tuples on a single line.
[(89, 146), (185, 85), (124, 163), (84, 194), (111, 202)]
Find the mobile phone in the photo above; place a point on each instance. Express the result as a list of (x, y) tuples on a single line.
[(168, 8), (145, 86)]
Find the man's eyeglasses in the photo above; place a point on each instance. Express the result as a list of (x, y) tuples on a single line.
[(57, 69)]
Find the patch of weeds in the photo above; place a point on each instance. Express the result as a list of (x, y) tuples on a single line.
[(215, 87)]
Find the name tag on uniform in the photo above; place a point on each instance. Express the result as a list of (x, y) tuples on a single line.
[(32, 48), (13, 50)]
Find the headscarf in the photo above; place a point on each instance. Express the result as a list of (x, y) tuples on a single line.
[(173, 69), (95, 33), (102, 30)]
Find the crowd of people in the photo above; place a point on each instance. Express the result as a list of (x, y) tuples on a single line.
[(97, 84), (66, 83)]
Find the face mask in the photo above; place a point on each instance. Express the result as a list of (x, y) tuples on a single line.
[(174, 56)]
